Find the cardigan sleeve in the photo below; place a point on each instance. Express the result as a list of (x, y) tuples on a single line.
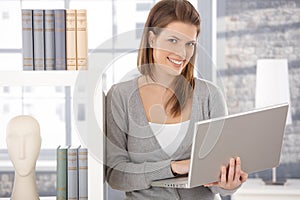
[(217, 103), (121, 172)]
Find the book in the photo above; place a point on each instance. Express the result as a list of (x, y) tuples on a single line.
[(38, 39), (49, 40), (81, 38), (72, 172), (61, 173), (60, 39), (71, 39), (27, 39), (83, 173)]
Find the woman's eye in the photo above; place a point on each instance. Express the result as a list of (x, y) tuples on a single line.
[(172, 40), (191, 44)]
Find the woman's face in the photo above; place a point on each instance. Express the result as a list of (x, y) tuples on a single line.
[(173, 47)]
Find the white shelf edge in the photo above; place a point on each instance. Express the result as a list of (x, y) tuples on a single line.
[(38, 78), (41, 166)]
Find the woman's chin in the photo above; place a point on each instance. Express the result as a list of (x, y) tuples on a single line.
[(174, 71)]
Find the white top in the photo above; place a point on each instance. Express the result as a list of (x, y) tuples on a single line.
[(170, 136)]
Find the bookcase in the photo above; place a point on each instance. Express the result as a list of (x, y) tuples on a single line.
[(63, 78), (17, 77)]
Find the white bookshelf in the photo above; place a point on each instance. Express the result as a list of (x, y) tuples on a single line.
[(58, 78), (38, 78), (14, 77)]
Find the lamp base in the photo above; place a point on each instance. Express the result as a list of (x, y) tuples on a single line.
[(275, 182)]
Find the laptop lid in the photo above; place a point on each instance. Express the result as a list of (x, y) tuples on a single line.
[(255, 136)]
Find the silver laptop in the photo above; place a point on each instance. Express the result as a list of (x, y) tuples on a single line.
[(255, 136)]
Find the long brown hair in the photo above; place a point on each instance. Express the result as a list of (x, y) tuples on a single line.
[(162, 14)]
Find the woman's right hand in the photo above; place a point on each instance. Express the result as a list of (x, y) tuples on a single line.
[(180, 167)]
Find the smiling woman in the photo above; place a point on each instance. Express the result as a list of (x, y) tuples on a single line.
[(141, 113), (172, 49)]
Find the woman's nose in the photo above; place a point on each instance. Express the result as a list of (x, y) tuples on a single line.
[(180, 50)]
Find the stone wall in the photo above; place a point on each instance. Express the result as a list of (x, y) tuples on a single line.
[(256, 30), (45, 182)]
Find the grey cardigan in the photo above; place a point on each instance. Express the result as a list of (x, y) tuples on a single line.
[(134, 157)]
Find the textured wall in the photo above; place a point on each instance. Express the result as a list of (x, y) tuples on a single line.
[(45, 182), (263, 29)]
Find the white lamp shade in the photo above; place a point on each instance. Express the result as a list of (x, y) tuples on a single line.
[(272, 84)]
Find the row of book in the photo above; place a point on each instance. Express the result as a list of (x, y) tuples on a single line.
[(72, 173), (54, 39)]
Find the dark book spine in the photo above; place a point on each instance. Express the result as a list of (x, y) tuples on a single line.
[(49, 40), (60, 39), (38, 40)]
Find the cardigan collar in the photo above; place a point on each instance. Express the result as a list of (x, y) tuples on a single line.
[(147, 131)]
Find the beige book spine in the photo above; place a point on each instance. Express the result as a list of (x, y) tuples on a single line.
[(82, 42), (71, 45)]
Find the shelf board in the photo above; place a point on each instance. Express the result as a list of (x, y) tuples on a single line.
[(38, 78)]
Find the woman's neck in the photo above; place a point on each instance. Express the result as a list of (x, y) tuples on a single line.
[(162, 79)]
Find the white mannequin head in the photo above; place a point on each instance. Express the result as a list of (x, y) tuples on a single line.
[(23, 143)]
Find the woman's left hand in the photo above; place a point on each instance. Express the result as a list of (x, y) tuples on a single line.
[(232, 177)]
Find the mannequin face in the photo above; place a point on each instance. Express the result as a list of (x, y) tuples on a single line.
[(23, 143)]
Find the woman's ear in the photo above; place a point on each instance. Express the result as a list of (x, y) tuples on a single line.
[(151, 38)]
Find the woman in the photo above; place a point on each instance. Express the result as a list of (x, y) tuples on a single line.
[(150, 119)]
